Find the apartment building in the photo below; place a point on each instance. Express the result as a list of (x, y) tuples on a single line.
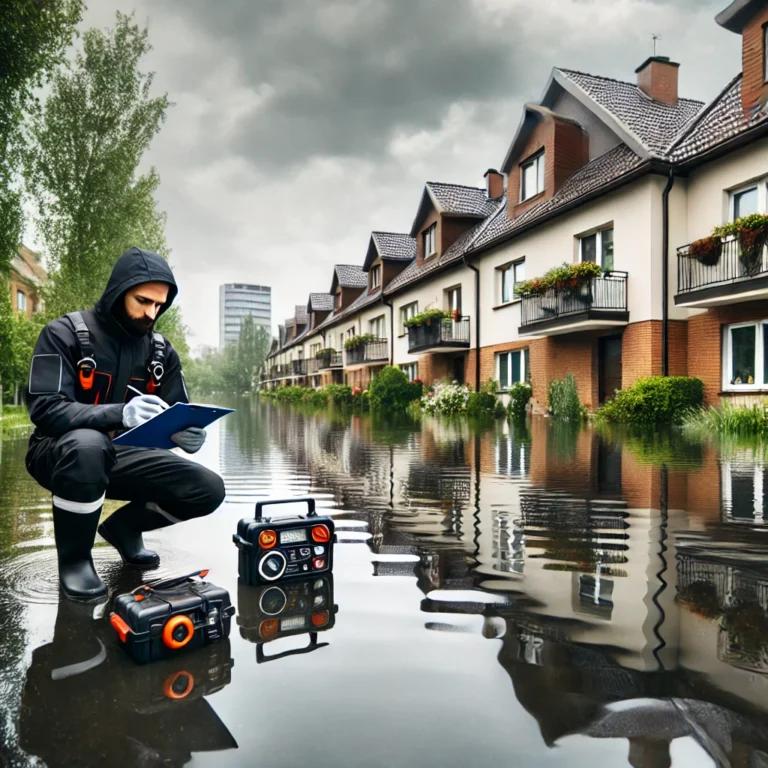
[(27, 276), (623, 174), (238, 301)]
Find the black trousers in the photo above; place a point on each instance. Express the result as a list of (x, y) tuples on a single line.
[(83, 464)]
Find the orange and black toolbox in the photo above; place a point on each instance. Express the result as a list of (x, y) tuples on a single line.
[(271, 550), (158, 621)]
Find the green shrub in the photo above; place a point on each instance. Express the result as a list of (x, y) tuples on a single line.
[(391, 389), (728, 420), (339, 394), (427, 316), (563, 399), (485, 402), (317, 398), (447, 399), (357, 341), (519, 395), (655, 400), (289, 394), (361, 399)]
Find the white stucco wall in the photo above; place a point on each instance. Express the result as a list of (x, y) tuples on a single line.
[(430, 294), (637, 245)]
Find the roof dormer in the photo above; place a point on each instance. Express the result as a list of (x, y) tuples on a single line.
[(749, 18), (445, 212), (389, 253), (319, 306), (546, 150), (348, 283)]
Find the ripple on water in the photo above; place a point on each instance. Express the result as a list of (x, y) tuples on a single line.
[(33, 577)]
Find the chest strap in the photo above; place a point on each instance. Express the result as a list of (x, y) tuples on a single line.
[(86, 365), (157, 363)]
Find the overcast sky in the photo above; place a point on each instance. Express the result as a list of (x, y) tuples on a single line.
[(301, 125)]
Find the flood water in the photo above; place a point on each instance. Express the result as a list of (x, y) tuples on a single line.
[(526, 597)]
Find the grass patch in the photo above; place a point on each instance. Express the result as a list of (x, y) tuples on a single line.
[(15, 422)]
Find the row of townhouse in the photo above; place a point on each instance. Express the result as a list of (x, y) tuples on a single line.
[(623, 174)]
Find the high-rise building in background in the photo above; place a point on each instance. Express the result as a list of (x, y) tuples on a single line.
[(238, 301)]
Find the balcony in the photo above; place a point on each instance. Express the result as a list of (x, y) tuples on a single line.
[(279, 372), (597, 304), (298, 368), (330, 360), (313, 366), (444, 335), (375, 351), (730, 280)]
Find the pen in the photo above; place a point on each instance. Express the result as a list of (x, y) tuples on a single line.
[(133, 389)]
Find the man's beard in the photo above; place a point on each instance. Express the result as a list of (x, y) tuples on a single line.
[(134, 326)]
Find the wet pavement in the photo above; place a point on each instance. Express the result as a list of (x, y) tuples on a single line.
[(538, 596)]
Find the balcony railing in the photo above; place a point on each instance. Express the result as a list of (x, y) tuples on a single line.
[(604, 294), (299, 367), (439, 333), (313, 366), (279, 371), (369, 352), (331, 360), (730, 268)]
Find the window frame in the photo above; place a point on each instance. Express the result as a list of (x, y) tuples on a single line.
[(406, 315), (21, 300), (429, 235), (406, 368), (765, 52), (524, 372), (504, 270), (449, 293), (375, 321), (761, 185), (726, 363), (537, 161), (375, 277), (598, 235)]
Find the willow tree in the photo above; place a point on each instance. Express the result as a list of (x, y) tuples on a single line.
[(82, 165)]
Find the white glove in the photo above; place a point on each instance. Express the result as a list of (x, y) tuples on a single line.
[(142, 409), (190, 440)]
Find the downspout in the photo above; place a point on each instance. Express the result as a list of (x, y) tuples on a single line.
[(391, 328), (665, 273), (477, 320)]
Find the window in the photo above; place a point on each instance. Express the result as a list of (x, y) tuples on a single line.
[(351, 332), (598, 248), (21, 301), (511, 275), (411, 370), (453, 299), (377, 327), (375, 277), (532, 177), (745, 202), (406, 313), (745, 356), (314, 349), (430, 241), (511, 368), (765, 53)]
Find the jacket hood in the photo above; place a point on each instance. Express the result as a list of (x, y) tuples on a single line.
[(133, 268)]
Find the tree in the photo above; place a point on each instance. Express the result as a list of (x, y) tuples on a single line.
[(33, 38), (82, 164), (250, 353)]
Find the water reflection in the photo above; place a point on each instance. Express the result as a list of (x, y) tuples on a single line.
[(618, 581)]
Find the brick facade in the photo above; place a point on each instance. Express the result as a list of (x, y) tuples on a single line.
[(658, 78), (752, 60), (705, 346)]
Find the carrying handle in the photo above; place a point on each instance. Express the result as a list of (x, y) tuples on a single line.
[(261, 657), (310, 505), (174, 582)]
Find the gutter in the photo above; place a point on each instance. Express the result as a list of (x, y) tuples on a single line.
[(665, 272), (391, 327), (477, 319)]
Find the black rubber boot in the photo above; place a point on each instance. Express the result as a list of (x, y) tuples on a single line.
[(75, 533), (123, 529)]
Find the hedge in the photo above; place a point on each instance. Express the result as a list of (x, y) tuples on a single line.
[(655, 400)]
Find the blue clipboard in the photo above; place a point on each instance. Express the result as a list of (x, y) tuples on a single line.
[(156, 433)]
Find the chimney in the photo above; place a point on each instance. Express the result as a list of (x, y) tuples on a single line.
[(494, 184), (657, 78)]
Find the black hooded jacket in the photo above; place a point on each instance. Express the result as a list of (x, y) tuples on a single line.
[(57, 402)]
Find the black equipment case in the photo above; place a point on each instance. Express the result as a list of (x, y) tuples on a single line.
[(289, 547), (161, 620)]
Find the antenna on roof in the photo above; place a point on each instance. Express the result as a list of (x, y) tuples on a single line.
[(655, 37)]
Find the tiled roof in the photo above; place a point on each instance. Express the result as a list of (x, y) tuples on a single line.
[(463, 244), (395, 245), (595, 174), (302, 318), (721, 120), (457, 199), (654, 123), (350, 276), (320, 302), (289, 323)]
